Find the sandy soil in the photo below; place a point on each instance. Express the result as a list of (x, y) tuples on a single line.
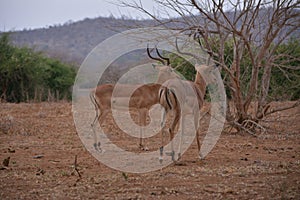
[(41, 142)]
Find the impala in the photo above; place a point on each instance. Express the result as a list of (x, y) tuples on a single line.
[(143, 98), (181, 98)]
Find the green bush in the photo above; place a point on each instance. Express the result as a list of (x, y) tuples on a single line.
[(29, 76), (285, 79)]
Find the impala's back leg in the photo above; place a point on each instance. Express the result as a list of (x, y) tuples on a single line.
[(171, 102), (97, 117), (172, 132), (162, 127), (196, 123)]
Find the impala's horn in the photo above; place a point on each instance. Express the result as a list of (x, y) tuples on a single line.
[(167, 59), (149, 54)]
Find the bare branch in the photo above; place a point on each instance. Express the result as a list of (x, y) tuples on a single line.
[(254, 30), (297, 103)]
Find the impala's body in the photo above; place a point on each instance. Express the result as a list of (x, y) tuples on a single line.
[(142, 98)]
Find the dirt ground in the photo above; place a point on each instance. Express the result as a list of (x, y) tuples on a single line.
[(41, 142)]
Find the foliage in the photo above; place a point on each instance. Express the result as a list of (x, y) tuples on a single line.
[(285, 79), (26, 75), (285, 76), (284, 84), (183, 67)]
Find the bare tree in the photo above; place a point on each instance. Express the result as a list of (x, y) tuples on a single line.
[(255, 29)]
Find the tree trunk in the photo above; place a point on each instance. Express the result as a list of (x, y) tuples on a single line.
[(265, 84)]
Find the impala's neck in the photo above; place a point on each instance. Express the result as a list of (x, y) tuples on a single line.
[(165, 73), (200, 82)]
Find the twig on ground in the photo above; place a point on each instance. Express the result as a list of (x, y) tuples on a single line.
[(75, 167), (236, 124), (248, 122)]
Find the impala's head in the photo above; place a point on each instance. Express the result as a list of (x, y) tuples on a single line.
[(166, 72), (207, 72)]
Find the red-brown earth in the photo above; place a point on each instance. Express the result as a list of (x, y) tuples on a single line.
[(42, 142)]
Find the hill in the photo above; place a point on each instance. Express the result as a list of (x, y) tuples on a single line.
[(71, 42)]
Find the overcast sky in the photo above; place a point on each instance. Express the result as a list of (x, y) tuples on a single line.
[(31, 14)]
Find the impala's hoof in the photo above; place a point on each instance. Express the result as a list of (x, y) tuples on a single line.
[(160, 159), (143, 148), (146, 149), (201, 157), (97, 147), (172, 154), (179, 156)]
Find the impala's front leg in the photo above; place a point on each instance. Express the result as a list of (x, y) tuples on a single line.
[(100, 119), (142, 121), (141, 146)]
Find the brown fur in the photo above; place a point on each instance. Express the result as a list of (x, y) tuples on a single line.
[(173, 95), (142, 98)]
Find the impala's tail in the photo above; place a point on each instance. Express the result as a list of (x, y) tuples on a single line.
[(168, 99)]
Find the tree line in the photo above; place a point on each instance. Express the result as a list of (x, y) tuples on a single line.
[(28, 76)]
